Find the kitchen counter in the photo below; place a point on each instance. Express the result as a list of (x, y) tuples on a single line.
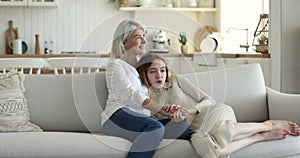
[(219, 55)]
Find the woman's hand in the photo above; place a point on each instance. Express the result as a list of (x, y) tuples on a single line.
[(171, 108)]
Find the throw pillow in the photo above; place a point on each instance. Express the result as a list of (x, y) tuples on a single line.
[(14, 113)]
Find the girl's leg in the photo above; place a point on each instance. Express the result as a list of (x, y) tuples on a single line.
[(263, 136), (144, 132), (243, 130)]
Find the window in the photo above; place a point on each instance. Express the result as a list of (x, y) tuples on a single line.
[(238, 21)]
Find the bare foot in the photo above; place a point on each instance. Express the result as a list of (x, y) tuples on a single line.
[(284, 125), (274, 134)]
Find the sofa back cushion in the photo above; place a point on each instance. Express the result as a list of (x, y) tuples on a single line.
[(243, 88), (66, 102), (75, 102)]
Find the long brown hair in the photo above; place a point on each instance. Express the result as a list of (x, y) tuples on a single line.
[(144, 64)]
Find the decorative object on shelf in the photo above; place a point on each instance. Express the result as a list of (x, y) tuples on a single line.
[(144, 3), (122, 3), (11, 34), (206, 3), (201, 34), (37, 50), (176, 3), (189, 3), (261, 35), (183, 40), (18, 46), (209, 45), (168, 4), (159, 40)]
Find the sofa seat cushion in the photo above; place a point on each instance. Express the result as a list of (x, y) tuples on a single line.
[(80, 145), (85, 145), (61, 144), (289, 147)]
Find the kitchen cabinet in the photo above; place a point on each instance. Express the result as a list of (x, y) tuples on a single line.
[(166, 9), (206, 15), (50, 3), (29, 3), (13, 2)]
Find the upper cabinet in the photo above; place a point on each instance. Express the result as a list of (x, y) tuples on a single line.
[(29, 3), (50, 3), (171, 5), (13, 2), (166, 8)]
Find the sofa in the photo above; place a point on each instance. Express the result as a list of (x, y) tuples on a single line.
[(68, 108)]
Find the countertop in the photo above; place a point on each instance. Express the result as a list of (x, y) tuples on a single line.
[(219, 55)]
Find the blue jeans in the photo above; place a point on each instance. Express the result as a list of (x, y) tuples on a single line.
[(144, 132)]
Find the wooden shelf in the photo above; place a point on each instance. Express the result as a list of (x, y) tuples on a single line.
[(53, 55), (168, 9)]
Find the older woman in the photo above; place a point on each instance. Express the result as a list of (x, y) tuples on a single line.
[(127, 112)]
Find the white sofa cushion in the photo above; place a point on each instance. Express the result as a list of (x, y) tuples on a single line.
[(74, 102), (81, 145), (67, 102), (243, 88), (14, 113)]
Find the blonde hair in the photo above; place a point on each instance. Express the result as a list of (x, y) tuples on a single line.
[(122, 32)]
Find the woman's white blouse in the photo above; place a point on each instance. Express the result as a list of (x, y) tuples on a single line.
[(124, 89)]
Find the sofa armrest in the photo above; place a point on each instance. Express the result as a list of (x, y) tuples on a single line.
[(283, 106)]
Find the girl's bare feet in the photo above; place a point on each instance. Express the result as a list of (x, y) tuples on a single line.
[(274, 134), (284, 125)]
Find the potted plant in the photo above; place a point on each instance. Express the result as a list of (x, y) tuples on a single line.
[(183, 40), (263, 40), (121, 2), (262, 46)]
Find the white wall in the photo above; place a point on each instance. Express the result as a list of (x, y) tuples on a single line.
[(285, 45), (74, 25), (67, 25)]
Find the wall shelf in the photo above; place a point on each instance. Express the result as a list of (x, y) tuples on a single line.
[(167, 9), (219, 55)]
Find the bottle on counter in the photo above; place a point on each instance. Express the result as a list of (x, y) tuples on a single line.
[(51, 47), (46, 47), (37, 45)]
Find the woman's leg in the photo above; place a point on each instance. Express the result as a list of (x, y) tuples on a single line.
[(176, 130), (144, 132), (263, 136), (243, 130)]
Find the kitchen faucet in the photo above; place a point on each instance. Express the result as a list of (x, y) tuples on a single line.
[(241, 45)]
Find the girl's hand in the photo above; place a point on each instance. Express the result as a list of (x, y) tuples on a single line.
[(174, 108), (178, 117)]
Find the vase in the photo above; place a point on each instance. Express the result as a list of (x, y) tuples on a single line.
[(144, 3), (184, 49), (123, 3), (176, 3)]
